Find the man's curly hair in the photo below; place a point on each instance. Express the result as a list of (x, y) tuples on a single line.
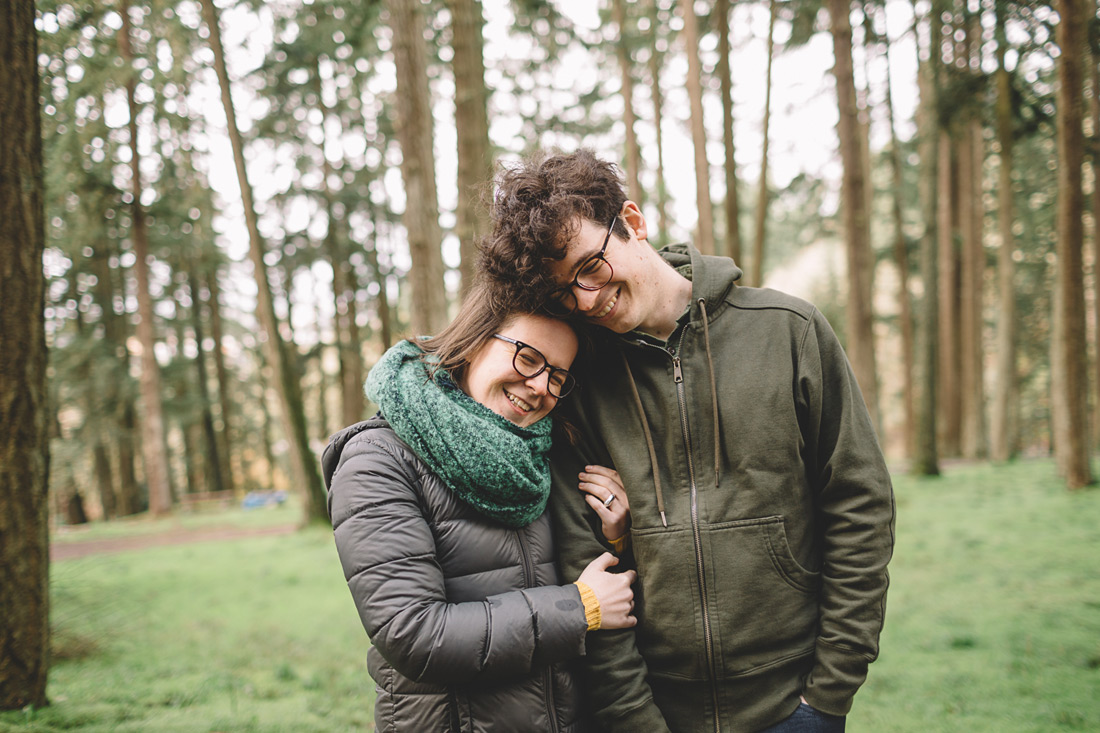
[(537, 208)]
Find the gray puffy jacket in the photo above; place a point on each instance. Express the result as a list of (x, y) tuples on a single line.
[(471, 629)]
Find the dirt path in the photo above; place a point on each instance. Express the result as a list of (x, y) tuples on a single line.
[(82, 548)]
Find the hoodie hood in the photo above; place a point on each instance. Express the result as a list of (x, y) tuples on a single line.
[(712, 278)]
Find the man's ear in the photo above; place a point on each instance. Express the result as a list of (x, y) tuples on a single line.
[(635, 220)]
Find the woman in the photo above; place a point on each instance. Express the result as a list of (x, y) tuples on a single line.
[(438, 511)]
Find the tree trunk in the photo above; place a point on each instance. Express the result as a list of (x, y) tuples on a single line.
[(303, 465), (657, 95), (130, 499), (732, 208), (901, 261), (704, 238), (385, 317), (428, 309), (475, 158), (24, 439), (972, 280), (222, 374), (1094, 67), (761, 221), (214, 473), (860, 345), (345, 329), (948, 387), (104, 479), (626, 75), (153, 445), (1069, 382), (926, 455), (1006, 399)]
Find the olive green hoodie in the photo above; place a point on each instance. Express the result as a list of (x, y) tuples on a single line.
[(762, 511)]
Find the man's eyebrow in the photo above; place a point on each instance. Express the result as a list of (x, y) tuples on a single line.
[(581, 260)]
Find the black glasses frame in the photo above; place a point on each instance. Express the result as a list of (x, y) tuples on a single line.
[(568, 383), (556, 303)]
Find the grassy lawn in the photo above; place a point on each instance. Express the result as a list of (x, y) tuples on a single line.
[(993, 624)]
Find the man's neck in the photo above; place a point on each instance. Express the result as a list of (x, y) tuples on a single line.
[(673, 295)]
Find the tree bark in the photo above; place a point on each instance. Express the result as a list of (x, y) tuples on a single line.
[(428, 309), (626, 76), (926, 455), (1068, 378), (947, 255), (153, 443), (346, 330), (901, 261), (732, 205), (972, 276), (222, 374), (303, 466), (475, 158), (1094, 68), (657, 95), (1006, 399), (24, 439), (704, 238), (860, 335), (214, 473), (761, 220), (385, 317)]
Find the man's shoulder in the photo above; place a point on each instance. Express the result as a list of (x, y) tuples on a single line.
[(766, 299)]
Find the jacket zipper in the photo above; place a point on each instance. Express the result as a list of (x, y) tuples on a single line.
[(678, 378), (548, 679)]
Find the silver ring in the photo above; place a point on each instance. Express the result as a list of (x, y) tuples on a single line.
[(608, 500)]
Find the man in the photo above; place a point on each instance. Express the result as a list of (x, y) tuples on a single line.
[(762, 512)]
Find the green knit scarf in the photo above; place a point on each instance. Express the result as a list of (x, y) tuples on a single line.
[(494, 465)]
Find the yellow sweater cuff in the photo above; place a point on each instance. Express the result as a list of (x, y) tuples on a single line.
[(591, 605), (619, 545)]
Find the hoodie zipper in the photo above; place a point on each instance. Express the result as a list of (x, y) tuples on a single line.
[(678, 379), (548, 679)]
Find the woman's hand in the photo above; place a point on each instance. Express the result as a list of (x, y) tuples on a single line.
[(612, 591), (604, 492)]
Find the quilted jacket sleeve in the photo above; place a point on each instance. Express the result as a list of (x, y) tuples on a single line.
[(388, 555)]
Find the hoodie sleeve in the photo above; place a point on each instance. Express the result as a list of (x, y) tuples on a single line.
[(388, 555), (616, 680), (855, 505)]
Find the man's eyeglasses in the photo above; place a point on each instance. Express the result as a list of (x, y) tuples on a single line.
[(594, 273), (529, 362)]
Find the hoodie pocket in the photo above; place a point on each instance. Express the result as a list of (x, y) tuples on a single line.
[(667, 603), (765, 602)]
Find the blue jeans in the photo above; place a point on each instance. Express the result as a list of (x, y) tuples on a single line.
[(808, 720)]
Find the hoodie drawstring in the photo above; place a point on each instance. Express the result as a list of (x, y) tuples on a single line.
[(648, 440), (713, 391)]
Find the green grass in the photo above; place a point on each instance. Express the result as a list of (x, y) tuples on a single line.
[(202, 517), (993, 616), (993, 624), (247, 635)]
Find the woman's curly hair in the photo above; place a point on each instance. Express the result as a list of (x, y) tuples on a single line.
[(537, 208)]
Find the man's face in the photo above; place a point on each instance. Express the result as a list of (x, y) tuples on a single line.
[(622, 304)]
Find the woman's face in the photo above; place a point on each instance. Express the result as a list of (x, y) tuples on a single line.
[(491, 379)]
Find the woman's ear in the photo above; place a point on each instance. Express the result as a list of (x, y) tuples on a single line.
[(634, 218)]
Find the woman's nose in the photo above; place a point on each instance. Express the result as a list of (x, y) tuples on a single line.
[(586, 299), (540, 383)]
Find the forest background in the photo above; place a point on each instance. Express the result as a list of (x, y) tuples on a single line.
[(228, 242)]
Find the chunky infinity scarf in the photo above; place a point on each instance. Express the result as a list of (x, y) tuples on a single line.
[(494, 465)]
